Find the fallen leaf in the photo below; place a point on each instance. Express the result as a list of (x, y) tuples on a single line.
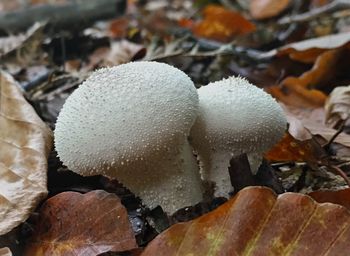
[(337, 106), (257, 222), (119, 52), (25, 143), (71, 223), (26, 40), (5, 252), (290, 149), (293, 94), (303, 91), (221, 24), (314, 121), (262, 9), (341, 197), (315, 44)]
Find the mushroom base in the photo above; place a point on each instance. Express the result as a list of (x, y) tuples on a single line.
[(170, 180), (216, 170)]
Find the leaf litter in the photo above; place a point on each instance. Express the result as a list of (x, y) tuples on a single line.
[(300, 66)]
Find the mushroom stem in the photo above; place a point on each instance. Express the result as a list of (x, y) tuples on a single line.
[(172, 179), (215, 169)]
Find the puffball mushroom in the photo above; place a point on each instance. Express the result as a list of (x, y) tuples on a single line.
[(131, 122), (235, 117)]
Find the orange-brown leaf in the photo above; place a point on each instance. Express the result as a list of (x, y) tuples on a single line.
[(221, 24), (262, 9), (257, 222), (290, 149), (341, 197), (71, 223)]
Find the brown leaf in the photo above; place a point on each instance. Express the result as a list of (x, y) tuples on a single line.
[(291, 149), (221, 24), (341, 197), (257, 222), (262, 9), (314, 121), (337, 106), (315, 44), (25, 143), (71, 223), (5, 252), (301, 91)]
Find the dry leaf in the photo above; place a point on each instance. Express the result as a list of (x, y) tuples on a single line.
[(24, 44), (290, 149), (25, 143), (319, 44), (120, 52), (262, 9), (314, 121), (221, 24), (5, 252), (71, 223), (257, 222), (302, 91), (341, 197), (337, 106)]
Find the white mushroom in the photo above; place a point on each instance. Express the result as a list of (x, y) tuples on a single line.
[(131, 122), (235, 117)]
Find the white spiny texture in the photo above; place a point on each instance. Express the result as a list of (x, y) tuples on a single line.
[(131, 122), (235, 117)]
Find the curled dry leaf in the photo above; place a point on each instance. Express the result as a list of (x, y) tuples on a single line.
[(257, 222), (221, 24), (316, 45), (303, 91), (262, 9), (337, 106), (25, 143), (5, 252), (71, 223)]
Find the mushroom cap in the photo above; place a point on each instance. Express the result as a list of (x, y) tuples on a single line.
[(236, 117), (124, 114)]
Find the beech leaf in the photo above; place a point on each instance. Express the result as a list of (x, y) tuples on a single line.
[(72, 223), (257, 222), (262, 9), (337, 106), (25, 142)]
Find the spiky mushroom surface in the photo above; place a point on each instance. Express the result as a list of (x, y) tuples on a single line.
[(235, 117), (131, 122)]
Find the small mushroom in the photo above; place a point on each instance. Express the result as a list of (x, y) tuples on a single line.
[(131, 122), (235, 117)]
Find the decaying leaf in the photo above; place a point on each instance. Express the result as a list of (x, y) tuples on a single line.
[(315, 44), (5, 252), (71, 223), (341, 197), (15, 42), (302, 91), (303, 120), (25, 142), (291, 149), (221, 24), (262, 9), (257, 222), (337, 106)]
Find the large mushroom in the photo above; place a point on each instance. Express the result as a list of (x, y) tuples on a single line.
[(235, 117), (131, 122)]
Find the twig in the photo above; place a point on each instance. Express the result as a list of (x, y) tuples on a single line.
[(335, 135), (74, 14), (336, 5)]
